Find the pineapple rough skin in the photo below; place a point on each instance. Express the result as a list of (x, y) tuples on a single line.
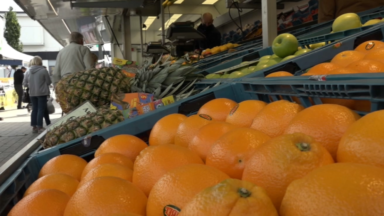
[(95, 85), (81, 126)]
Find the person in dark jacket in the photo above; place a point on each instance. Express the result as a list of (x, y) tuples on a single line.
[(18, 78), (38, 81), (212, 35)]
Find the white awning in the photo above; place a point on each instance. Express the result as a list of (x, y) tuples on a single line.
[(7, 51)]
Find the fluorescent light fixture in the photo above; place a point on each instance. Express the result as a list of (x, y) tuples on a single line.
[(178, 2), (149, 21), (173, 19), (50, 3), (209, 2), (66, 26)]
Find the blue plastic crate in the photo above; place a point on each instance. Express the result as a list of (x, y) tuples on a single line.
[(301, 63), (307, 91)]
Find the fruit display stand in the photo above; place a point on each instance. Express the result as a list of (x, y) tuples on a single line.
[(300, 64), (309, 35), (307, 92)]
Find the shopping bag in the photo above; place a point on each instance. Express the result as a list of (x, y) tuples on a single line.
[(26, 98), (51, 108)]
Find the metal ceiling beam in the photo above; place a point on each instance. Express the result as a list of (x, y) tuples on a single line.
[(133, 4), (187, 9)]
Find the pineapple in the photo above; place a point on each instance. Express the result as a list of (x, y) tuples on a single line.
[(81, 126), (96, 86)]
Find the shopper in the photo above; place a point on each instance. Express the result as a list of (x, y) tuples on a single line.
[(73, 58), (212, 35), (331, 9), (38, 81), (18, 78)]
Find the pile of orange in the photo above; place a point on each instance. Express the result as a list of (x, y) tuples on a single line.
[(248, 158)]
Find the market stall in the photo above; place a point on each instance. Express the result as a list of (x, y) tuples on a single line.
[(293, 127)]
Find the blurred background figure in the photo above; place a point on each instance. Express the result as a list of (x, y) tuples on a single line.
[(18, 78), (38, 81), (212, 35), (331, 9)]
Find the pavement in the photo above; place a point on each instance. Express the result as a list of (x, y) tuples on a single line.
[(16, 132)]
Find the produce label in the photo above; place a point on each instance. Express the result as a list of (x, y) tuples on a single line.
[(171, 210), (82, 110), (234, 110), (205, 116)]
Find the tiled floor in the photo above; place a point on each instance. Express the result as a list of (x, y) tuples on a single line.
[(16, 132)]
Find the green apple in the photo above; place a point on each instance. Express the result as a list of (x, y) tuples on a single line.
[(302, 51), (244, 62), (372, 22), (288, 57), (213, 76), (266, 57), (236, 74), (284, 45), (225, 76), (252, 69), (245, 70), (346, 21)]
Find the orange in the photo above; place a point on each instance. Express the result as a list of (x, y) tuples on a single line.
[(363, 105), (164, 131), (113, 170), (107, 196), (243, 114), (231, 152), (338, 189), (68, 164), (47, 202), (127, 145), (345, 58), (367, 66), (322, 69), (207, 136), (282, 160), (178, 187), (275, 117), (230, 197), (343, 71), (326, 123), (376, 55), (369, 46), (58, 181), (363, 141), (126, 214), (108, 158), (155, 161), (189, 127), (218, 109), (279, 74)]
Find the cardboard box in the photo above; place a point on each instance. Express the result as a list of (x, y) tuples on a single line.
[(133, 104)]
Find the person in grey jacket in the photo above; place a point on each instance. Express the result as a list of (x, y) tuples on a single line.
[(38, 81), (73, 58)]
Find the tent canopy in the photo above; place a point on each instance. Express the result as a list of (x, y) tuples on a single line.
[(7, 51)]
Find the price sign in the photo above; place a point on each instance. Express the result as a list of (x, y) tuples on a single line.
[(82, 110)]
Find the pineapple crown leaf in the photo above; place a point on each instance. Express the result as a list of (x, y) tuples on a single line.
[(162, 95), (175, 89), (173, 80)]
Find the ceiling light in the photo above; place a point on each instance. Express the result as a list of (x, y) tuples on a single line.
[(178, 2), (49, 1), (173, 19), (209, 2), (148, 22), (66, 26)]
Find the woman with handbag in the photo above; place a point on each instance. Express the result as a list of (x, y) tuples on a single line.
[(38, 81)]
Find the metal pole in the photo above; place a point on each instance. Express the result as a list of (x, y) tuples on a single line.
[(127, 36), (141, 35), (162, 23), (269, 21)]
